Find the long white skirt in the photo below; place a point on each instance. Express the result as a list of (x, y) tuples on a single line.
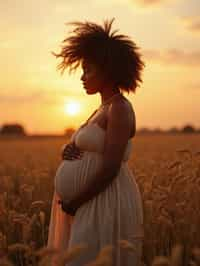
[(115, 214)]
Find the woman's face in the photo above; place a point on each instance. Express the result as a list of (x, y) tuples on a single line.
[(92, 82)]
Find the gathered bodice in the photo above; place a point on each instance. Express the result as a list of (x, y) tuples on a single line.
[(91, 137)]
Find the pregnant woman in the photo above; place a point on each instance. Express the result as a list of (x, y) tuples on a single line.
[(96, 199)]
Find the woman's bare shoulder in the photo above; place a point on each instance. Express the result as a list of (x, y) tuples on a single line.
[(126, 102), (122, 107), (127, 107)]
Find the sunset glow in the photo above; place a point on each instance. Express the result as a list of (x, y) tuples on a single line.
[(72, 108), (33, 93)]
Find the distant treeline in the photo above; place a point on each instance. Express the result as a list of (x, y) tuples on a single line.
[(19, 130)]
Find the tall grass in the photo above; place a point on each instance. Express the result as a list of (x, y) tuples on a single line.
[(167, 170)]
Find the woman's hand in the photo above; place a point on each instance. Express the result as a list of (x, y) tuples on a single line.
[(71, 151), (69, 207)]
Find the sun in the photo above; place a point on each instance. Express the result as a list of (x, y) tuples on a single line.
[(72, 108)]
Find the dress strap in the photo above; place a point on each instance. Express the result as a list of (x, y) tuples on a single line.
[(91, 115), (73, 142)]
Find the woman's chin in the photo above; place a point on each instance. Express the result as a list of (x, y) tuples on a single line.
[(89, 91)]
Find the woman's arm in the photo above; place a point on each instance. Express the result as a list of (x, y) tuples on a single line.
[(117, 135)]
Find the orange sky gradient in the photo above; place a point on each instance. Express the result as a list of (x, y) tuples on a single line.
[(35, 95)]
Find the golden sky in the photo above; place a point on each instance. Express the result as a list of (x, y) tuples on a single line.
[(34, 94)]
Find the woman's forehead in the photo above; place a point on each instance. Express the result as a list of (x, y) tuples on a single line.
[(86, 64)]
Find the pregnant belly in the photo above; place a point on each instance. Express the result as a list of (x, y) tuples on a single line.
[(73, 176)]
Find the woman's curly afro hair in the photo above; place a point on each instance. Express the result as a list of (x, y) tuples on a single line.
[(115, 55)]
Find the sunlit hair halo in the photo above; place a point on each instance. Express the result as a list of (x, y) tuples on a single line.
[(115, 55)]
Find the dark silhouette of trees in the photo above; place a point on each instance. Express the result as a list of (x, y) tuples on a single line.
[(173, 130), (157, 130), (188, 129), (16, 129), (143, 130), (69, 131), (12, 129)]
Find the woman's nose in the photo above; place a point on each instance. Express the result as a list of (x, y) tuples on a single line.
[(82, 77)]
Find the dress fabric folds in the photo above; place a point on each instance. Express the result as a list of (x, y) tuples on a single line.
[(115, 214)]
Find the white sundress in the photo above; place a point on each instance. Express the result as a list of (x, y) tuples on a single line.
[(115, 214)]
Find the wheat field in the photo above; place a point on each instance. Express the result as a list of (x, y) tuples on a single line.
[(167, 170)]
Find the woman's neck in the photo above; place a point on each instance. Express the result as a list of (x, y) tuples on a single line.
[(107, 94)]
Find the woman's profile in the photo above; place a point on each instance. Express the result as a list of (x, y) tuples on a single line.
[(96, 199)]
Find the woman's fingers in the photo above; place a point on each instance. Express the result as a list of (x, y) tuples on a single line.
[(68, 147), (71, 151)]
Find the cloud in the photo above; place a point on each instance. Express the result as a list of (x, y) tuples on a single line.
[(195, 87), (47, 97), (173, 57), (44, 97), (35, 97), (191, 24), (148, 3)]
